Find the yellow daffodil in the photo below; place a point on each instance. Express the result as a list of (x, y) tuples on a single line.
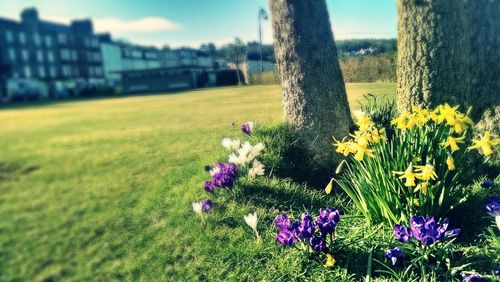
[(447, 113), (421, 116), (451, 163), (330, 261), (461, 123), (421, 186), (377, 135), (485, 144), (363, 121), (329, 187), (361, 151), (452, 143), (433, 115), (416, 202), (409, 175), (400, 122), (425, 172), (411, 121), (345, 148)]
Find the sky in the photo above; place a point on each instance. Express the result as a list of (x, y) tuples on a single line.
[(193, 22)]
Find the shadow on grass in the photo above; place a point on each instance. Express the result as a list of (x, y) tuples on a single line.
[(284, 195), (14, 171)]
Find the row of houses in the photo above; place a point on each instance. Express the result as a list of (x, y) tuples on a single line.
[(39, 58)]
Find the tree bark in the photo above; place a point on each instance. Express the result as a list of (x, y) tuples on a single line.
[(432, 53), (314, 96), (484, 31)]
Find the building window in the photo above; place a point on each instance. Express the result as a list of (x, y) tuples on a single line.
[(61, 37), (12, 54), (91, 71), (74, 55), (27, 72), (97, 57), (50, 56), (9, 36), (39, 56), (52, 71), (65, 55), (48, 41), (41, 71), (76, 72), (25, 55), (22, 38), (98, 71), (36, 39), (66, 70)]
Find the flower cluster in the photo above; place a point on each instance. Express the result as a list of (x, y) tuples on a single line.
[(366, 135), (425, 151), (245, 154), (223, 175), (426, 232), (242, 160), (311, 233), (421, 172)]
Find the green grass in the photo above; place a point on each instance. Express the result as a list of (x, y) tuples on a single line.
[(102, 189)]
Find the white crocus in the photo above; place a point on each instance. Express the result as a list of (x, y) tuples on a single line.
[(198, 208), (214, 170), (257, 169), (231, 144), (252, 220), (245, 148), (226, 143), (233, 158), (257, 149)]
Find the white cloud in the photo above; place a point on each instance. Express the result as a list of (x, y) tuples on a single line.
[(147, 24)]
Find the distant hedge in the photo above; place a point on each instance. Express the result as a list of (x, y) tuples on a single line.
[(376, 68), (368, 68)]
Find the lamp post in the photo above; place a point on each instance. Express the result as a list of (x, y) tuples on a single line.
[(262, 16)]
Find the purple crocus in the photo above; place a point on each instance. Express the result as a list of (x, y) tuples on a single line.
[(394, 254), (427, 230), (493, 206), (206, 205), (306, 227), (496, 271), (317, 243), (402, 233), (473, 277), (224, 174), (282, 222), (327, 220), (286, 238), (209, 186), (487, 183), (247, 127)]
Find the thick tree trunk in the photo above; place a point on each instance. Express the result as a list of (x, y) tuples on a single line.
[(484, 31), (314, 96), (432, 53)]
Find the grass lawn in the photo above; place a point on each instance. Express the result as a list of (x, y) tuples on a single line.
[(102, 189)]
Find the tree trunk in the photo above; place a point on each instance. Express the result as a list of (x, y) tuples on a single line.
[(484, 31), (432, 53), (314, 96)]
